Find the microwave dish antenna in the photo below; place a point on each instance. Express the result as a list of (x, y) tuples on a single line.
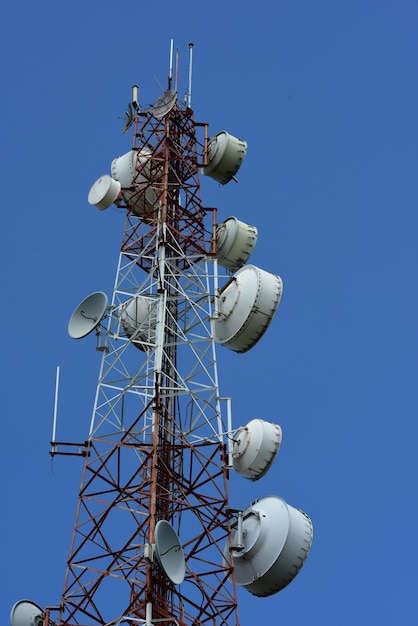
[(169, 553), (255, 447), (129, 118), (138, 317), (269, 545), (235, 242), (88, 315), (132, 171), (247, 305), (225, 156), (164, 104), (104, 192), (26, 613)]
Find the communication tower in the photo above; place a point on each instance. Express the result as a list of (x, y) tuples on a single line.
[(155, 540)]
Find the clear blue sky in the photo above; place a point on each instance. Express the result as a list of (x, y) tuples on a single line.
[(326, 95)]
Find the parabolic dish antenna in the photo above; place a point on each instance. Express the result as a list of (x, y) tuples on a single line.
[(225, 156), (129, 118), (26, 613), (247, 305), (88, 315), (255, 448), (235, 242), (164, 104), (138, 319), (104, 192), (277, 539), (169, 553), (133, 172)]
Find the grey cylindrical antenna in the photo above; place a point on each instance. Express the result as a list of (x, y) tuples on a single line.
[(189, 91), (170, 71), (240, 533), (148, 614), (135, 97)]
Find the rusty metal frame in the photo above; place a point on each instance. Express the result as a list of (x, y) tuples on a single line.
[(206, 596), (177, 152)]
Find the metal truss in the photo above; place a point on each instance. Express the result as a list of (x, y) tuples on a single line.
[(129, 362), (158, 444), (109, 577)]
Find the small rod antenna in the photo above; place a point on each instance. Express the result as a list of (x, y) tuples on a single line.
[(176, 71), (170, 71), (54, 422), (189, 92)]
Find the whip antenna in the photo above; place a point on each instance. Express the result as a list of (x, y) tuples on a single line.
[(170, 71), (189, 90)]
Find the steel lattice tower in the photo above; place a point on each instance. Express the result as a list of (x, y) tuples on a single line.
[(154, 539), (157, 448)]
